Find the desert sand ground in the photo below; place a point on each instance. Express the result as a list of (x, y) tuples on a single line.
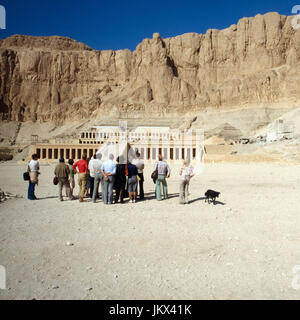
[(245, 247)]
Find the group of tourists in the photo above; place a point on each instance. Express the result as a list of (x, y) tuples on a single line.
[(125, 177)]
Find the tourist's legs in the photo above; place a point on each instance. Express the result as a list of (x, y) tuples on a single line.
[(82, 180), (110, 189), (134, 188), (102, 185), (96, 186), (161, 180), (87, 186), (182, 192), (97, 189), (105, 191), (186, 192), (165, 187), (138, 189), (158, 188), (123, 191), (31, 188), (141, 186), (68, 189), (118, 193), (79, 186), (73, 185), (29, 192), (60, 187), (188, 189), (92, 180)]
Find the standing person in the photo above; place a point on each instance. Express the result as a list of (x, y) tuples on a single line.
[(164, 172), (139, 163), (82, 166), (71, 176), (120, 180), (62, 172), (97, 165), (108, 170), (186, 173), (92, 175), (33, 169), (88, 180), (132, 181)]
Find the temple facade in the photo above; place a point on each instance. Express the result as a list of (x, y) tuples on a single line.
[(173, 144)]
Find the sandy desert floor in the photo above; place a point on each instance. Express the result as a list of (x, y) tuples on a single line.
[(245, 247)]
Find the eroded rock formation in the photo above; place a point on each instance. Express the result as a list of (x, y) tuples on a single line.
[(58, 79)]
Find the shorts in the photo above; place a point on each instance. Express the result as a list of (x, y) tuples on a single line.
[(72, 182), (132, 184)]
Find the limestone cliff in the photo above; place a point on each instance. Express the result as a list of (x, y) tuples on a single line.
[(58, 79)]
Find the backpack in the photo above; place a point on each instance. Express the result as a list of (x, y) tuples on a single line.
[(26, 176)]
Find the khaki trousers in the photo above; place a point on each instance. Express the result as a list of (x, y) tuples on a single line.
[(184, 192), (82, 181), (61, 183)]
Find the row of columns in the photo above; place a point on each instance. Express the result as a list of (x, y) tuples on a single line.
[(90, 142), (99, 135), (147, 153), (173, 153), (134, 135), (52, 153)]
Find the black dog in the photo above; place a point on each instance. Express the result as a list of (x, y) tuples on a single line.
[(210, 194)]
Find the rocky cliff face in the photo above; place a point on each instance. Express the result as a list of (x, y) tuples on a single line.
[(58, 79)]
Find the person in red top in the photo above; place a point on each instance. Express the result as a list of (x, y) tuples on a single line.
[(82, 169)]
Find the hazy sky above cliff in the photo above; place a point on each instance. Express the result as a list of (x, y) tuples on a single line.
[(123, 24)]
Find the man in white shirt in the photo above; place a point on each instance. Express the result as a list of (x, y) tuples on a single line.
[(98, 176), (139, 163), (186, 173), (33, 169), (34, 165)]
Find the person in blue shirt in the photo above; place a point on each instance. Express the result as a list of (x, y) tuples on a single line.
[(132, 181), (108, 170)]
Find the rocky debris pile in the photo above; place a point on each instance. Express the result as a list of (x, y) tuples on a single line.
[(7, 195)]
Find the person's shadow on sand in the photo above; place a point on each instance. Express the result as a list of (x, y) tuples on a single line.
[(151, 196), (196, 200), (49, 197), (203, 199)]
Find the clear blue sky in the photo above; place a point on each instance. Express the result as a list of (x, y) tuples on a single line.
[(124, 24)]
